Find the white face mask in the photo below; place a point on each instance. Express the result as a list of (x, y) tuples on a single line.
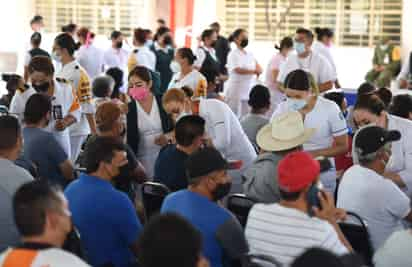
[(384, 47), (296, 104), (56, 57), (175, 67)]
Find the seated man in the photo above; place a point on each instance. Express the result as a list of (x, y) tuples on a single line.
[(41, 146), (104, 216), (365, 191), (11, 177), (42, 217), (286, 229), (386, 63), (157, 243), (170, 164), (223, 237), (277, 139)]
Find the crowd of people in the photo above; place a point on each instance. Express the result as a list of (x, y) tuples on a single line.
[(83, 129)]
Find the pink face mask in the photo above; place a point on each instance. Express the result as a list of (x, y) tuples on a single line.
[(139, 93)]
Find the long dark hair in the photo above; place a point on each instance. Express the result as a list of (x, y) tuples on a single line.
[(236, 34)]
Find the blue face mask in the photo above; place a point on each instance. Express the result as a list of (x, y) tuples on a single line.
[(299, 47), (296, 104)]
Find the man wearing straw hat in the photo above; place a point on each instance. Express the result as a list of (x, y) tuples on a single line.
[(285, 134)]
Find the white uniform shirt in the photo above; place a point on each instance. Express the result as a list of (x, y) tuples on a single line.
[(142, 56), (194, 79), (224, 128), (238, 86), (403, 75), (51, 257), (315, 64), (376, 199), (329, 122), (64, 97), (116, 58), (285, 233), (75, 74), (201, 55), (91, 59), (322, 49)]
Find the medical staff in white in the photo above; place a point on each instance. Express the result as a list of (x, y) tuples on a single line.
[(141, 55), (117, 55), (243, 71), (331, 136), (65, 107), (308, 60), (222, 126), (370, 109), (63, 50), (89, 56)]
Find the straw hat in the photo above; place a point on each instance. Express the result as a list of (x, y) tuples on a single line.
[(284, 132)]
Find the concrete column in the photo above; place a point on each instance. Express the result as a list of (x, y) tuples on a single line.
[(406, 39)]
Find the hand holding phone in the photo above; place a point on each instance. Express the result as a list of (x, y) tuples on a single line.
[(327, 210)]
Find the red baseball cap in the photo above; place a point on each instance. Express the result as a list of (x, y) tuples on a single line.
[(296, 171)]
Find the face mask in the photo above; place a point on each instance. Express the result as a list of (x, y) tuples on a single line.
[(221, 191), (41, 88), (384, 47), (299, 47), (167, 40), (213, 44), (119, 45), (175, 67), (56, 56), (139, 93), (296, 104), (244, 43), (149, 43)]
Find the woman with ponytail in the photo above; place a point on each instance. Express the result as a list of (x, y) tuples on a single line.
[(277, 96), (89, 56)]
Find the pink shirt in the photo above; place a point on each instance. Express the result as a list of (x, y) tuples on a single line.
[(274, 64)]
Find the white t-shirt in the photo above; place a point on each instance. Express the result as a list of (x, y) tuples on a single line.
[(52, 257), (64, 97), (403, 75), (91, 59), (194, 79), (75, 74), (116, 58), (376, 199), (201, 55), (238, 85), (224, 128), (315, 64), (325, 51), (142, 56), (285, 233)]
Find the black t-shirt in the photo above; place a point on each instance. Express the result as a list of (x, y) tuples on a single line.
[(124, 182), (170, 168)]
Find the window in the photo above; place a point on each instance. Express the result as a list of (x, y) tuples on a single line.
[(355, 22), (100, 16)]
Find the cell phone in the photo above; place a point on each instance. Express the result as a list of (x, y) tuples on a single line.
[(57, 112), (313, 198)]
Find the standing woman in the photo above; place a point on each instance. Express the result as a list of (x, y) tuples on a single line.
[(331, 136), (206, 59), (243, 70), (141, 55), (63, 52), (147, 122), (272, 71), (323, 45), (186, 74), (164, 51), (89, 56)]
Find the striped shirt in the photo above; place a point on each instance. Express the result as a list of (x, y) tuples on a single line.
[(285, 233)]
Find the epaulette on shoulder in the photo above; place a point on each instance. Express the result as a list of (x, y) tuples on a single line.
[(76, 67), (61, 80)]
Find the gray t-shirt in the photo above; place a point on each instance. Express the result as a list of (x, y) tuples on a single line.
[(395, 251), (260, 181), (11, 178), (251, 124), (42, 148)]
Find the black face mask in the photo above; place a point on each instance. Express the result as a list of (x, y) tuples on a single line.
[(167, 40), (221, 191), (213, 44), (244, 43), (41, 88), (119, 45)]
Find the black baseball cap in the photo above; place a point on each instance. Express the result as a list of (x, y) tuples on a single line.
[(371, 138), (205, 161)]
